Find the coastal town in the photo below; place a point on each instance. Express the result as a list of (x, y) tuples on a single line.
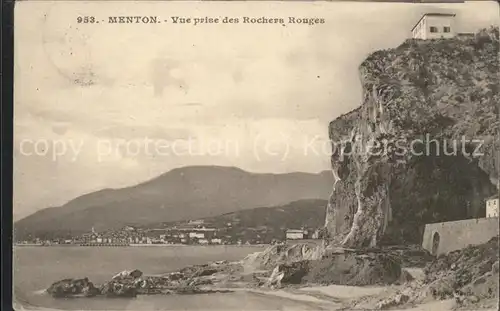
[(193, 232)]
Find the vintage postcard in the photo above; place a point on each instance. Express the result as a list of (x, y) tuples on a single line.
[(256, 155)]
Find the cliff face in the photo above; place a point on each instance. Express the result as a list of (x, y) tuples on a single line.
[(422, 147)]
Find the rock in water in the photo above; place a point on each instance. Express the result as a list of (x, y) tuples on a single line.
[(119, 289), (134, 274), (200, 270), (69, 288), (132, 283)]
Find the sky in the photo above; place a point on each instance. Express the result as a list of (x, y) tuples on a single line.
[(112, 105)]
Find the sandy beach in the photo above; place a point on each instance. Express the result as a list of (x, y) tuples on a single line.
[(332, 298)]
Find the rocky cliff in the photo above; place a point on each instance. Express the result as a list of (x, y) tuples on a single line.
[(422, 147)]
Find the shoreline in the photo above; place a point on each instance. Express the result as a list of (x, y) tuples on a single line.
[(141, 245), (327, 301), (286, 294), (321, 297)]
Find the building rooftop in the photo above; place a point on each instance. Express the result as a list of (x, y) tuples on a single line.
[(294, 231), (432, 14)]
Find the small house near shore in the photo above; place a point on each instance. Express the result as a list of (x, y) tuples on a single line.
[(294, 234)]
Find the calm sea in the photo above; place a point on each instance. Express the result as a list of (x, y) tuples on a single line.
[(35, 268)]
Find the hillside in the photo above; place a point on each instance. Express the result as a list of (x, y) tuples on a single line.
[(184, 193), (420, 100), (303, 213)]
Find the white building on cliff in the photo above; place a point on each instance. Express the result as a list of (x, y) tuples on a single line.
[(434, 26)]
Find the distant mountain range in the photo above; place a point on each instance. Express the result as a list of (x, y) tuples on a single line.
[(184, 193)]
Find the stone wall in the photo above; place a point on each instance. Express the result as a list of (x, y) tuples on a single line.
[(454, 235)]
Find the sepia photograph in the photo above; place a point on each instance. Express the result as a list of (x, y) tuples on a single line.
[(256, 155)]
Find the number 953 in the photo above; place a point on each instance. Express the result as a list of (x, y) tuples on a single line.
[(85, 19)]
